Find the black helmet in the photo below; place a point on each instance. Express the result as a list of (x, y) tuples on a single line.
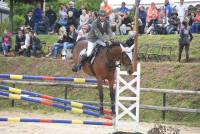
[(174, 13), (102, 13)]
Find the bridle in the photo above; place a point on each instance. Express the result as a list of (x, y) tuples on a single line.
[(112, 59), (122, 60)]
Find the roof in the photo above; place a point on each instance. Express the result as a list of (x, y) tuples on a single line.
[(4, 8)]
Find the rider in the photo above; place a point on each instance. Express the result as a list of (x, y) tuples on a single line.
[(99, 34)]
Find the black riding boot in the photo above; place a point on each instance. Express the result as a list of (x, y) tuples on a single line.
[(77, 67)]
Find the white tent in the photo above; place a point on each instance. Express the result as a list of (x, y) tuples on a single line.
[(129, 3)]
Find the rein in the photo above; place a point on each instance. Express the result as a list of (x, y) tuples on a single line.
[(111, 63)]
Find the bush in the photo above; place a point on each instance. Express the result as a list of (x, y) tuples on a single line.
[(3, 27), (89, 4), (18, 21)]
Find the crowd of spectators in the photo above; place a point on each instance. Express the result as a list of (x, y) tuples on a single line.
[(167, 19), (72, 24)]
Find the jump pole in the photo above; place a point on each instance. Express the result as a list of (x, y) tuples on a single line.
[(42, 96), (37, 120), (48, 78), (51, 104)]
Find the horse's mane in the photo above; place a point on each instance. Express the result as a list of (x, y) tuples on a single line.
[(116, 43)]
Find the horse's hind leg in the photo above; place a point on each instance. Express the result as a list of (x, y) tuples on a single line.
[(100, 89), (112, 95)]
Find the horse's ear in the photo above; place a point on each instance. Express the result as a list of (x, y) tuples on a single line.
[(122, 47)]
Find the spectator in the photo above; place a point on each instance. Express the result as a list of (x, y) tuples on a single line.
[(184, 40), (70, 41), (6, 43), (59, 44), (92, 16), (35, 45), (84, 18), (29, 20), (51, 15), (189, 19), (116, 23), (62, 21), (43, 24), (161, 15), (105, 7), (126, 24), (82, 34), (152, 12), (19, 40), (81, 9), (174, 23), (196, 23), (181, 10), (142, 17), (25, 49), (168, 9), (153, 24), (37, 14), (74, 10), (71, 20), (123, 8)]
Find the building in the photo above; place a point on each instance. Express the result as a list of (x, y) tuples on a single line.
[(146, 3), (4, 11)]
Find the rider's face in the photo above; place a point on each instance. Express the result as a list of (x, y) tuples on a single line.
[(102, 18)]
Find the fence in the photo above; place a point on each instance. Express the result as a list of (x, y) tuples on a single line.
[(164, 93)]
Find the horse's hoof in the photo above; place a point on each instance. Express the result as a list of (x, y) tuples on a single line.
[(113, 113), (74, 69)]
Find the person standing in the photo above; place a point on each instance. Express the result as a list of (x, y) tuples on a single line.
[(184, 41), (52, 17), (29, 20), (168, 9), (196, 23), (106, 7), (37, 15), (181, 10), (152, 13), (142, 17), (123, 8)]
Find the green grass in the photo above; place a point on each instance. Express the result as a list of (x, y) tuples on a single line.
[(160, 40)]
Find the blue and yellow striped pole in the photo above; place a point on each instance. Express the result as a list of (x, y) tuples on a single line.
[(49, 78), (36, 120), (71, 103), (48, 103)]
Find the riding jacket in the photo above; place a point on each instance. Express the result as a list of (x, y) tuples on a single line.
[(99, 31)]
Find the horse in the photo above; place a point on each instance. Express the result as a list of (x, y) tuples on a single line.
[(104, 66)]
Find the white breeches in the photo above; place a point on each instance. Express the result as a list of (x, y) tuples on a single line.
[(90, 47)]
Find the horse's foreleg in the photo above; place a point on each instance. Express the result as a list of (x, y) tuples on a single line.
[(100, 89), (112, 95)]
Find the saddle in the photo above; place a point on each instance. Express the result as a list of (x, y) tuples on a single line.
[(95, 52)]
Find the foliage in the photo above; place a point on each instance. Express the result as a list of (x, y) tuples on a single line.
[(89, 4), (18, 21), (3, 27)]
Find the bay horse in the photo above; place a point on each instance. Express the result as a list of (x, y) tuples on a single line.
[(104, 67)]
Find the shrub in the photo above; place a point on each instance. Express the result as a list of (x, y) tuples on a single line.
[(3, 27), (18, 21)]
